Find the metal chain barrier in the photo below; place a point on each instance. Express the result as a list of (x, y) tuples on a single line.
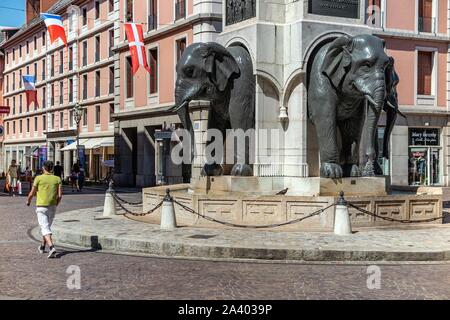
[(127, 202), (229, 224), (134, 213), (392, 219)]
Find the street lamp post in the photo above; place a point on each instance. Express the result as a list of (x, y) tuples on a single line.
[(78, 113)]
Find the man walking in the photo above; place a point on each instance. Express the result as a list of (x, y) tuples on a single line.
[(48, 190), (58, 171)]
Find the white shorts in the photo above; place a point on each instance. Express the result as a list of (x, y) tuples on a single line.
[(12, 182), (45, 217)]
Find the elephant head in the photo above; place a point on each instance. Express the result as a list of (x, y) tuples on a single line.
[(356, 68), (204, 72)]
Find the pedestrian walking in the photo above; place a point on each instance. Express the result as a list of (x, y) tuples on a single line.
[(74, 177), (81, 179), (58, 171), (48, 191), (12, 176), (29, 177)]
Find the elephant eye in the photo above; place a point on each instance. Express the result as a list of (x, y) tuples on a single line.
[(189, 71)]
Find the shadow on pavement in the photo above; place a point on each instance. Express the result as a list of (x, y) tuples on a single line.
[(95, 246)]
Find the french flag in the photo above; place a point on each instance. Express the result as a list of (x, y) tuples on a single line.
[(29, 83), (55, 27)]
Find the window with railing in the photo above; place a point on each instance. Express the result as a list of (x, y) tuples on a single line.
[(152, 14), (61, 92), (97, 83), (111, 43), (426, 21), (70, 90), (180, 9), (61, 62), (97, 49), (111, 80), (70, 58), (85, 84), (84, 53)]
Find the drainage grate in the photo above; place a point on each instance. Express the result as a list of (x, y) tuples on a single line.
[(202, 236)]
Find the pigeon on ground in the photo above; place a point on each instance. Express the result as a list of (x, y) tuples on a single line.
[(282, 192)]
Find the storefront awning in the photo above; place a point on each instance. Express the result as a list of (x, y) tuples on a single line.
[(73, 146), (93, 143)]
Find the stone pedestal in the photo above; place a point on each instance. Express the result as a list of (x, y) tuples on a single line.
[(312, 186)]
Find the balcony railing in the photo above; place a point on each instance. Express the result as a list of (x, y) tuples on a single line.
[(152, 22), (180, 9), (239, 10), (427, 24)]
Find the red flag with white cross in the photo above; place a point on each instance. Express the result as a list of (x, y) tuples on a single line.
[(135, 37)]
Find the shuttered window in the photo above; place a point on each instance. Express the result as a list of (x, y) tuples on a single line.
[(425, 72), (129, 77), (154, 71)]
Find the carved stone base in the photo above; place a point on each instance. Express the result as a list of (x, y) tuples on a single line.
[(313, 186)]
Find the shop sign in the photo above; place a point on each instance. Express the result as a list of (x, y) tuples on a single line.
[(423, 137), (335, 8)]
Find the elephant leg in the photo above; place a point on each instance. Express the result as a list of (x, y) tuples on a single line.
[(327, 138), (243, 119), (212, 168), (351, 136)]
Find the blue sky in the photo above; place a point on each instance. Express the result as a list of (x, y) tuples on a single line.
[(10, 17)]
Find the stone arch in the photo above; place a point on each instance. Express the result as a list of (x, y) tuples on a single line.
[(242, 42)]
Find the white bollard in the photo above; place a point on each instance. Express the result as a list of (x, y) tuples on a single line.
[(342, 224), (168, 219), (109, 209)]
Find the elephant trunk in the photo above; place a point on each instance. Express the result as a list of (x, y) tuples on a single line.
[(182, 109)]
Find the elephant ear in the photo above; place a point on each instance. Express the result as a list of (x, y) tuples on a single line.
[(338, 60), (220, 65)]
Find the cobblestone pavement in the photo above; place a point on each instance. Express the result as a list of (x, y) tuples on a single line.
[(26, 274)]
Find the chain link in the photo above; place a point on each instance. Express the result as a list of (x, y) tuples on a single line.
[(392, 219), (134, 213), (229, 224), (127, 202)]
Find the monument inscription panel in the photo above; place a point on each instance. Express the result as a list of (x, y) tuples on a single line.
[(335, 8)]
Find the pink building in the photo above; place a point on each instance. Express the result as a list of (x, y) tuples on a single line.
[(142, 102), (81, 73)]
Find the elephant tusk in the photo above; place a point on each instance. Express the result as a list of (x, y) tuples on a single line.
[(396, 109), (176, 108), (369, 98)]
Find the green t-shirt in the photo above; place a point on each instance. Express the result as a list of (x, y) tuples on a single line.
[(47, 189)]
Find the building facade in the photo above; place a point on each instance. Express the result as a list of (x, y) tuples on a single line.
[(143, 121), (80, 73)]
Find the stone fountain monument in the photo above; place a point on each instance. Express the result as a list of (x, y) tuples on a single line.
[(305, 125)]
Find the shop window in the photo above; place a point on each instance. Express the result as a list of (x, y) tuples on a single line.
[(425, 73), (424, 156)]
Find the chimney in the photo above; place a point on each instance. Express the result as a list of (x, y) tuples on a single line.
[(35, 7)]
